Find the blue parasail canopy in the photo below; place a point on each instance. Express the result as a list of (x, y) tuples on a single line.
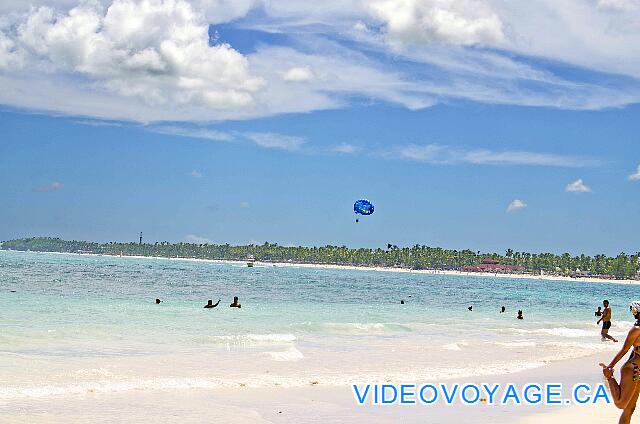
[(363, 207)]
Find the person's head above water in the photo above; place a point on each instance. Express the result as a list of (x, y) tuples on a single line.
[(210, 304), (236, 303), (470, 308), (158, 301)]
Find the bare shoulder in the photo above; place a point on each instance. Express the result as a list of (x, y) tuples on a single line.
[(634, 333)]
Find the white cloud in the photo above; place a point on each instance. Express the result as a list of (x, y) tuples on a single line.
[(507, 72), (442, 154), (298, 74), (635, 176), (341, 76), (21, 6), (578, 186), (345, 148), (245, 205), (203, 133), (618, 5), (465, 22), (275, 141), (575, 32), (219, 11), (154, 51), (192, 238), (516, 205), (196, 174), (97, 123), (602, 38), (266, 140), (360, 27), (151, 60), (9, 57), (49, 187)]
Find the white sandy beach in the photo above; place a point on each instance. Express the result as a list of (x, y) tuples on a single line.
[(312, 404)]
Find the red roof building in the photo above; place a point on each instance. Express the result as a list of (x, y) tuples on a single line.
[(493, 266)]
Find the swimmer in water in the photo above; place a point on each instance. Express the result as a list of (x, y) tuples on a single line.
[(158, 301), (520, 315), (235, 303), (210, 304)]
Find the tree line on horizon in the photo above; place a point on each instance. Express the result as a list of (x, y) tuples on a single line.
[(415, 257)]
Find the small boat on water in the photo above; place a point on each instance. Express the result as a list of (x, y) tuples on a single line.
[(250, 261)]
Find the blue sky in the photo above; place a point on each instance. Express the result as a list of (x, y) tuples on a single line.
[(254, 121)]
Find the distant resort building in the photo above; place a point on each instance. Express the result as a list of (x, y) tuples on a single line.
[(493, 266), (581, 274)]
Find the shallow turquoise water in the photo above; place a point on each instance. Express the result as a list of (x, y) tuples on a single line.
[(80, 321)]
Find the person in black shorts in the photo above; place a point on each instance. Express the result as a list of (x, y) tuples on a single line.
[(606, 322)]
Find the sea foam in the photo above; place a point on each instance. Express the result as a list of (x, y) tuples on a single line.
[(289, 355)]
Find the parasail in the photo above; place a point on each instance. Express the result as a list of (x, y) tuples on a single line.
[(363, 207)]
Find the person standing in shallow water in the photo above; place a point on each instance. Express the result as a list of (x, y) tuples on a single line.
[(520, 314), (606, 322), (599, 311)]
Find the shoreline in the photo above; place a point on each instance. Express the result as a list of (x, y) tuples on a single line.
[(275, 405), (261, 264)]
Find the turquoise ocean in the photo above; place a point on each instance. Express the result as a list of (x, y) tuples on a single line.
[(75, 324)]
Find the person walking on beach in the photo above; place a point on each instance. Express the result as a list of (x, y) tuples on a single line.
[(606, 322), (625, 393)]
